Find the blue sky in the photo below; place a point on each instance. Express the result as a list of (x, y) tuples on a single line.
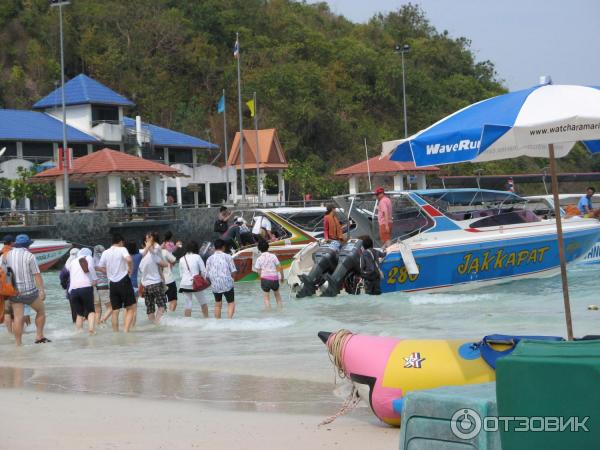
[(523, 38)]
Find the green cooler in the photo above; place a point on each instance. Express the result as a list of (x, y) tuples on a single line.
[(552, 390)]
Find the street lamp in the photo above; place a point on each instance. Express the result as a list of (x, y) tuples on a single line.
[(402, 49), (60, 4)]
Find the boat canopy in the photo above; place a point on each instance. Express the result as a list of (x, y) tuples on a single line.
[(469, 196)]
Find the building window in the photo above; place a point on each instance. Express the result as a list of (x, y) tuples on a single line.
[(180, 156), (79, 150), (11, 148), (105, 113), (38, 152), (153, 153), (103, 146)]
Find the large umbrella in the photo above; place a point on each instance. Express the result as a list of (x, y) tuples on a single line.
[(543, 121)]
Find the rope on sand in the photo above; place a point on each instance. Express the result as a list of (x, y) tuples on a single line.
[(336, 346)]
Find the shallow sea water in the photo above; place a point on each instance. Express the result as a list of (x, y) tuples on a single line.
[(273, 361)]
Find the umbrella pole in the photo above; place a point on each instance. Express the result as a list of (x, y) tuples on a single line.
[(561, 248)]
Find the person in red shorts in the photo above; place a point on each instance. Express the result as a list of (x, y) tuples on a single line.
[(384, 216)]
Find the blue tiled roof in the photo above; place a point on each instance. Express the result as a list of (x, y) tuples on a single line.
[(82, 90), (169, 138), (20, 125)]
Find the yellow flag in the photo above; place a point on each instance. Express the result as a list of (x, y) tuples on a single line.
[(250, 104)]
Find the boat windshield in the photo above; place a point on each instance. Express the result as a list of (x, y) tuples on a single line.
[(409, 218), (485, 208)]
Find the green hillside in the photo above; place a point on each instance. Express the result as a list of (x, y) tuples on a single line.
[(324, 82)]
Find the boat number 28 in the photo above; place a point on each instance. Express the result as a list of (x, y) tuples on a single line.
[(400, 275)]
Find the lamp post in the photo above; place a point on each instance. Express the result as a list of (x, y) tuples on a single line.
[(66, 201), (402, 49)]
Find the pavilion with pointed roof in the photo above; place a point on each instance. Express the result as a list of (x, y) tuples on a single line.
[(263, 149), (106, 168)]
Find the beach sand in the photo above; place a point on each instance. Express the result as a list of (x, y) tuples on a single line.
[(48, 420)]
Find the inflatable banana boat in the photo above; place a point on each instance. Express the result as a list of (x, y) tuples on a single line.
[(384, 369)]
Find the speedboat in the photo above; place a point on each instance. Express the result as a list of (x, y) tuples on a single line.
[(543, 205), (309, 219), (48, 251), (289, 240), (466, 238)]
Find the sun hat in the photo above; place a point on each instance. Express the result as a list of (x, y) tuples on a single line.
[(22, 240), (379, 190)]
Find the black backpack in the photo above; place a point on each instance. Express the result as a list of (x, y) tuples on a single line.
[(369, 270), (220, 226)]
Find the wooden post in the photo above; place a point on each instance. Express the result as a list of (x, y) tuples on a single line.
[(561, 248)]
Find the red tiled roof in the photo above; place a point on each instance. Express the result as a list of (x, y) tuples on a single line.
[(106, 162), (384, 165)]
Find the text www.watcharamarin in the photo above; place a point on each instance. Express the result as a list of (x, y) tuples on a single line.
[(565, 129)]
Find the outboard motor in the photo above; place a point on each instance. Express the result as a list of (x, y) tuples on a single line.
[(349, 263), (325, 260), (206, 249)]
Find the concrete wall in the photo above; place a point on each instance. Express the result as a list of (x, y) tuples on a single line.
[(91, 228), (78, 116)]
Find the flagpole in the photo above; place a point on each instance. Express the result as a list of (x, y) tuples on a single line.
[(226, 149), (243, 174), (258, 183), (368, 165)]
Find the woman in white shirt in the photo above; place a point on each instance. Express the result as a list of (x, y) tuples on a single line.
[(81, 288), (190, 265)]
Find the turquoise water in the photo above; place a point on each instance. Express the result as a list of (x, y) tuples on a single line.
[(274, 359)]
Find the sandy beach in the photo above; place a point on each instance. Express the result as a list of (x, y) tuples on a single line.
[(45, 420)]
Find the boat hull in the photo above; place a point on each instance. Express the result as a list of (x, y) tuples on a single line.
[(48, 252), (468, 265)]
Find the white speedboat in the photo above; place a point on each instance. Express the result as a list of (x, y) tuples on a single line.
[(543, 205), (466, 238), (48, 251)]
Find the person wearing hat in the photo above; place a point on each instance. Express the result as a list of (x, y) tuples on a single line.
[(30, 287), (384, 216)]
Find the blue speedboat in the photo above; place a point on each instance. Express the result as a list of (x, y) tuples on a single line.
[(466, 238)]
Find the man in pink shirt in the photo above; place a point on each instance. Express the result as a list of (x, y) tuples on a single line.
[(384, 216)]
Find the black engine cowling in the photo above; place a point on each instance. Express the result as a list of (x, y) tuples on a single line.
[(325, 260), (349, 263)]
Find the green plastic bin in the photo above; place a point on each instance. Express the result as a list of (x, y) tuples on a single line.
[(553, 388), (427, 418)]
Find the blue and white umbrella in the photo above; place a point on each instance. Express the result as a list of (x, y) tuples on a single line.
[(543, 121), (520, 123)]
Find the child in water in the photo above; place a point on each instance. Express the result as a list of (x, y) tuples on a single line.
[(269, 270)]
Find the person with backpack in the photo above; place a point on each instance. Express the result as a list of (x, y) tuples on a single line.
[(83, 278), (370, 271), (222, 222), (29, 286), (64, 278)]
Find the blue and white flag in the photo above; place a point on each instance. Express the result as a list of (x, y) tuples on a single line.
[(236, 49), (221, 105)]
